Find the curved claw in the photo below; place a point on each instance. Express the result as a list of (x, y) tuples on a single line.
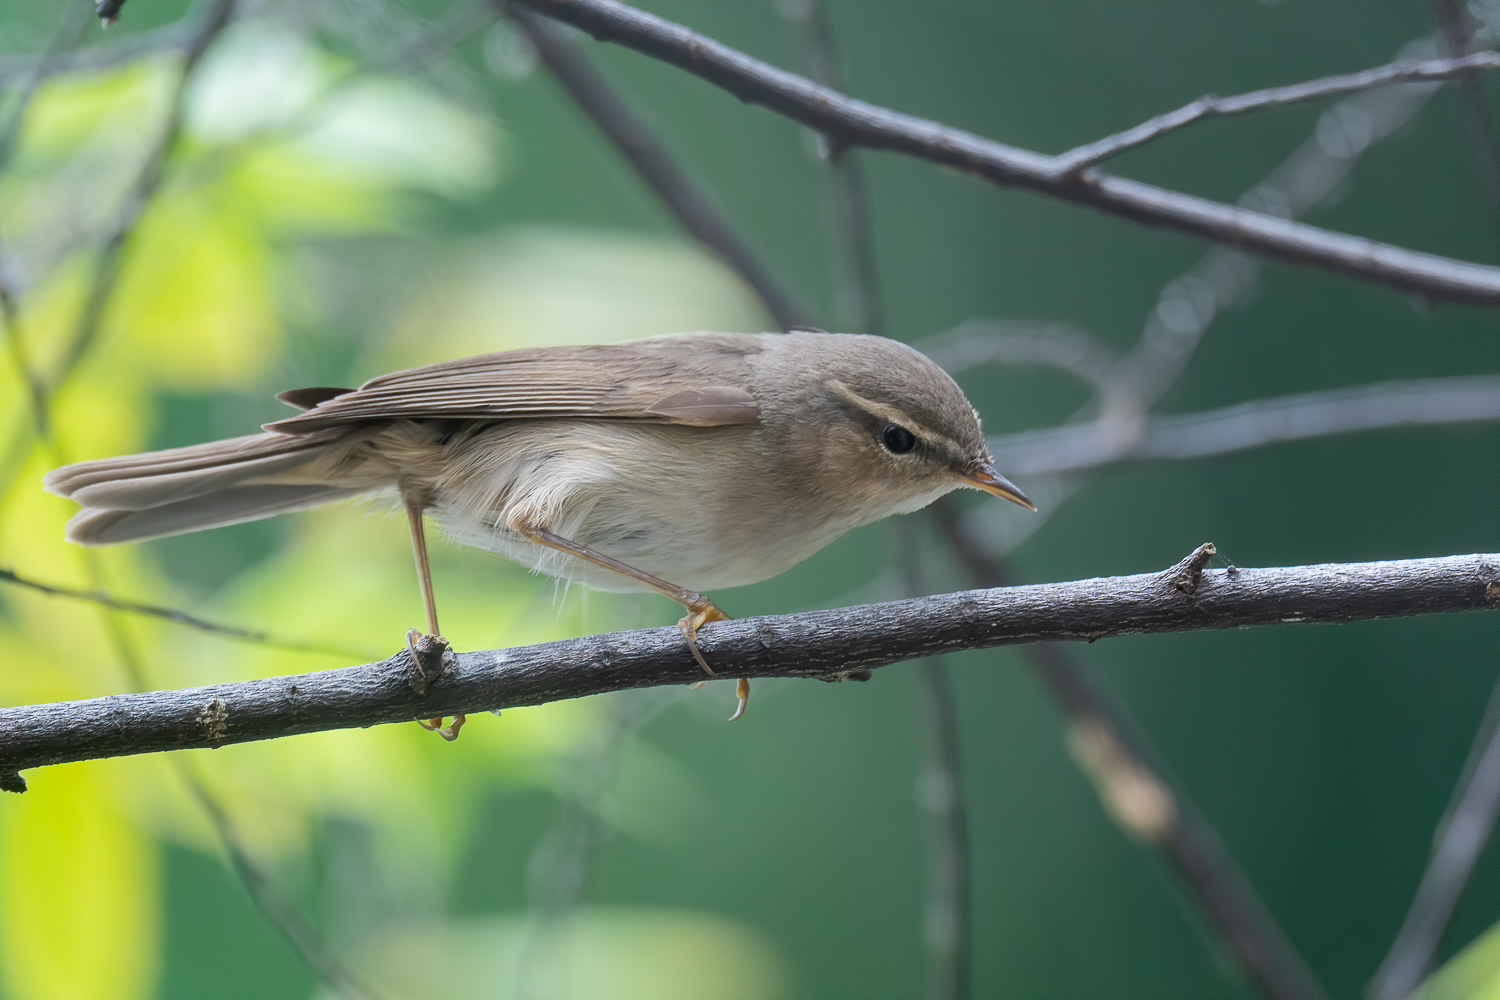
[(448, 732), (741, 691)]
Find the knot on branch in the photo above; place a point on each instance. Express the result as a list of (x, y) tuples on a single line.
[(214, 718), (430, 656), (12, 781), (1187, 574), (861, 674)]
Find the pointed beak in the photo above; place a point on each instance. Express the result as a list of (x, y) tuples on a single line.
[(982, 476)]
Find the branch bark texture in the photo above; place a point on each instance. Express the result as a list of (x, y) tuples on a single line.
[(853, 122), (826, 645)]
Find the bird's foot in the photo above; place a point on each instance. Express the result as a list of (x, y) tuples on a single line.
[(431, 655), (448, 732), (700, 615)]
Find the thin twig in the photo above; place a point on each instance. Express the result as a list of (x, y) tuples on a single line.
[(69, 30), (1011, 343), (180, 617), (946, 924), (428, 47), (1461, 836), (1082, 157), (20, 357), (1223, 277), (1255, 424), (275, 908), (825, 645), (1456, 38), (107, 266), (853, 214), (640, 147), (858, 123), (169, 40)]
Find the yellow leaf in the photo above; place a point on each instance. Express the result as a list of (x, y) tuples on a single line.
[(80, 915)]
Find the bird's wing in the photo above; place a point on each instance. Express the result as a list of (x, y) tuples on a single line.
[(695, 379)]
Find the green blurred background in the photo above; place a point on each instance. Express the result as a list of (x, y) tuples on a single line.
[(317, 230)]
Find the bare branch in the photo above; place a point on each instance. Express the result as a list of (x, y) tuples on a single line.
[(178, 617), (634, 140), (826, 645), (853, 122), (1381, 406), (1082, 157)]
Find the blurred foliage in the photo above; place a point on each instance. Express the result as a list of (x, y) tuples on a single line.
[(322, 220), (1473, 974)]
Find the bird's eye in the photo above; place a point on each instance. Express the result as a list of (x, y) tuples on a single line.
[(897, 439)]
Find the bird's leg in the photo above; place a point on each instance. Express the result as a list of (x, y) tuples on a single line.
[(701, 610), (416, 503)]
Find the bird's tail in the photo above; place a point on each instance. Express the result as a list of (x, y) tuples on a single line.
[(170, 492)]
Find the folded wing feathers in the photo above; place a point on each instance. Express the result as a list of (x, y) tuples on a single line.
[(620, 381)]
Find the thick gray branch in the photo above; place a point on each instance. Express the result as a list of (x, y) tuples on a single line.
[(827, 645), (853, 122)]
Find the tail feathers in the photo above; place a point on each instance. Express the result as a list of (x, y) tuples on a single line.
[(234, 505), (278, 451), (170, 492)]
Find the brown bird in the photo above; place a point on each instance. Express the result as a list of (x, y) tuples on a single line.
[(711, 459)]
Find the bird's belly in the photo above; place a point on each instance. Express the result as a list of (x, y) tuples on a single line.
[(668, 538), (639, 494)]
